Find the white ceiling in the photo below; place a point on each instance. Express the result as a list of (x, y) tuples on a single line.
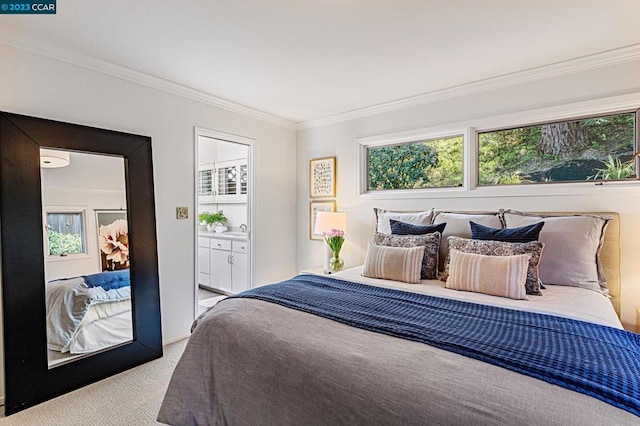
[(307, 59)]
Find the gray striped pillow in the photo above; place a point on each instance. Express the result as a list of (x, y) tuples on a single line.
[(496, 275), (394, 263)]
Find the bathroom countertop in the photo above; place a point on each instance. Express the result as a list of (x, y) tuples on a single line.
[(235, 236)]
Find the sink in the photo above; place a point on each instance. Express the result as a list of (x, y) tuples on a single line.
[(235, 233)]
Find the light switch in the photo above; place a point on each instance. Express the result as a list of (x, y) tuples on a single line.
[(182, 212)]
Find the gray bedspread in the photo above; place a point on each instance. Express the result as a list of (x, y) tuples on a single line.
[(67, 303), (251, 362)]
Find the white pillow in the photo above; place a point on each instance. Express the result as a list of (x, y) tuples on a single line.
[(572, 248), (414, 218), (458, 226)]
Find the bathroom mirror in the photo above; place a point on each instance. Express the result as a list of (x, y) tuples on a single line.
[(34, 222)]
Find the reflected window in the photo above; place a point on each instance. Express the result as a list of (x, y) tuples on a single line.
[(66, 233)]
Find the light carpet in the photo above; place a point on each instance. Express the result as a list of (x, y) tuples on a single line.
[(205, 304), (129, 398)]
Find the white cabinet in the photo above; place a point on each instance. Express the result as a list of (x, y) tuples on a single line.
[(221, 265), (228, 266), (203, 261), (231, 181), (240, 272)]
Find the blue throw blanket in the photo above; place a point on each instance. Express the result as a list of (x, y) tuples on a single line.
[(109, 280), (596, 360)]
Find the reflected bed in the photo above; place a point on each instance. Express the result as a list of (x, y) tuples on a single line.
[(89, 313)]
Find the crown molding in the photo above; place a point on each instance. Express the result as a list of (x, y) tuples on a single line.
[(118, 71), (570, 66), (584, 63)]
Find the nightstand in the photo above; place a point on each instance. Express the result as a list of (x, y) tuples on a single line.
[(318, 270)]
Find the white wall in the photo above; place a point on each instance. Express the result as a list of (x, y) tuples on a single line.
[(339, 140), (39, 86)]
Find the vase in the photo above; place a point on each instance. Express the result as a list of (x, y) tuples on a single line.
[(336, 263)]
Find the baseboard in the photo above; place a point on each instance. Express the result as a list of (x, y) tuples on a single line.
[(175, 339)]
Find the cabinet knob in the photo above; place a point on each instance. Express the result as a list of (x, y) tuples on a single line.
[(219, 245)]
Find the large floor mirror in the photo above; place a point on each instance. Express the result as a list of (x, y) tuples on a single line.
[(80, 296)]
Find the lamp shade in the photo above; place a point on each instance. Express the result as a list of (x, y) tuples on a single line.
[(326, 221)]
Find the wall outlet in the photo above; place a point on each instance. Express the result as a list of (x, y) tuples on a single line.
[(182, 212)]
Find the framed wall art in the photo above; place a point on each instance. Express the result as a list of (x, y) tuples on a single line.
[(322, 177), (314, 208), (113, 239)]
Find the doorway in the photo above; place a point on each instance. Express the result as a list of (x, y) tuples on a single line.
[(224, 216)]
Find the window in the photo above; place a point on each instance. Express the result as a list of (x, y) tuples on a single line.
[(593, 148), (433, 163), (65, 233)]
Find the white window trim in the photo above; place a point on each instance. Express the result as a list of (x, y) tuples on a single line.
[(65, 209), (470, 130), (406, 137)]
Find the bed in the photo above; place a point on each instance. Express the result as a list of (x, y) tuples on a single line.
[(88, 313), (252, 361)]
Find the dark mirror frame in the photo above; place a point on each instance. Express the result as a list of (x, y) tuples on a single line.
[(28, 379)]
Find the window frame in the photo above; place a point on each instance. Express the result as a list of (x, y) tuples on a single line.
[(363, 145), (636, 138), (470, 129), (82, 210)]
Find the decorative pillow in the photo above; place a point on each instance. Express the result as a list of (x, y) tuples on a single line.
[(430, 242), (403, 228), (108, 280), (500, 248), (414, 218), (523, 234), (394, 263), (503, 276), (458, 226), (572, 248)]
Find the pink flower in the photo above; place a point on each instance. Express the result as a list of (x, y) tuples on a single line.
[(114, 241), (335, 233), (335, 239)]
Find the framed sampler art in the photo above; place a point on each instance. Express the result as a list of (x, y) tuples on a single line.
[(314, 208), (322, 177)]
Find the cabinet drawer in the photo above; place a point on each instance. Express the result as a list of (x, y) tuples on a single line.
[(240, 247), (220, 244), (203, 242)]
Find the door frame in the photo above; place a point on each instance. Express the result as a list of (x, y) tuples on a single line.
[(250, 144)]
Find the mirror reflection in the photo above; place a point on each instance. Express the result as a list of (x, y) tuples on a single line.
[(86, 253)]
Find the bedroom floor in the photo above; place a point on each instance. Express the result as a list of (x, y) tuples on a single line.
[(137, 394), (207, 299)]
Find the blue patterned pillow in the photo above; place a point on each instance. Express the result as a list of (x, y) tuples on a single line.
[(524, 234), (404, 228), (108, 280)]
